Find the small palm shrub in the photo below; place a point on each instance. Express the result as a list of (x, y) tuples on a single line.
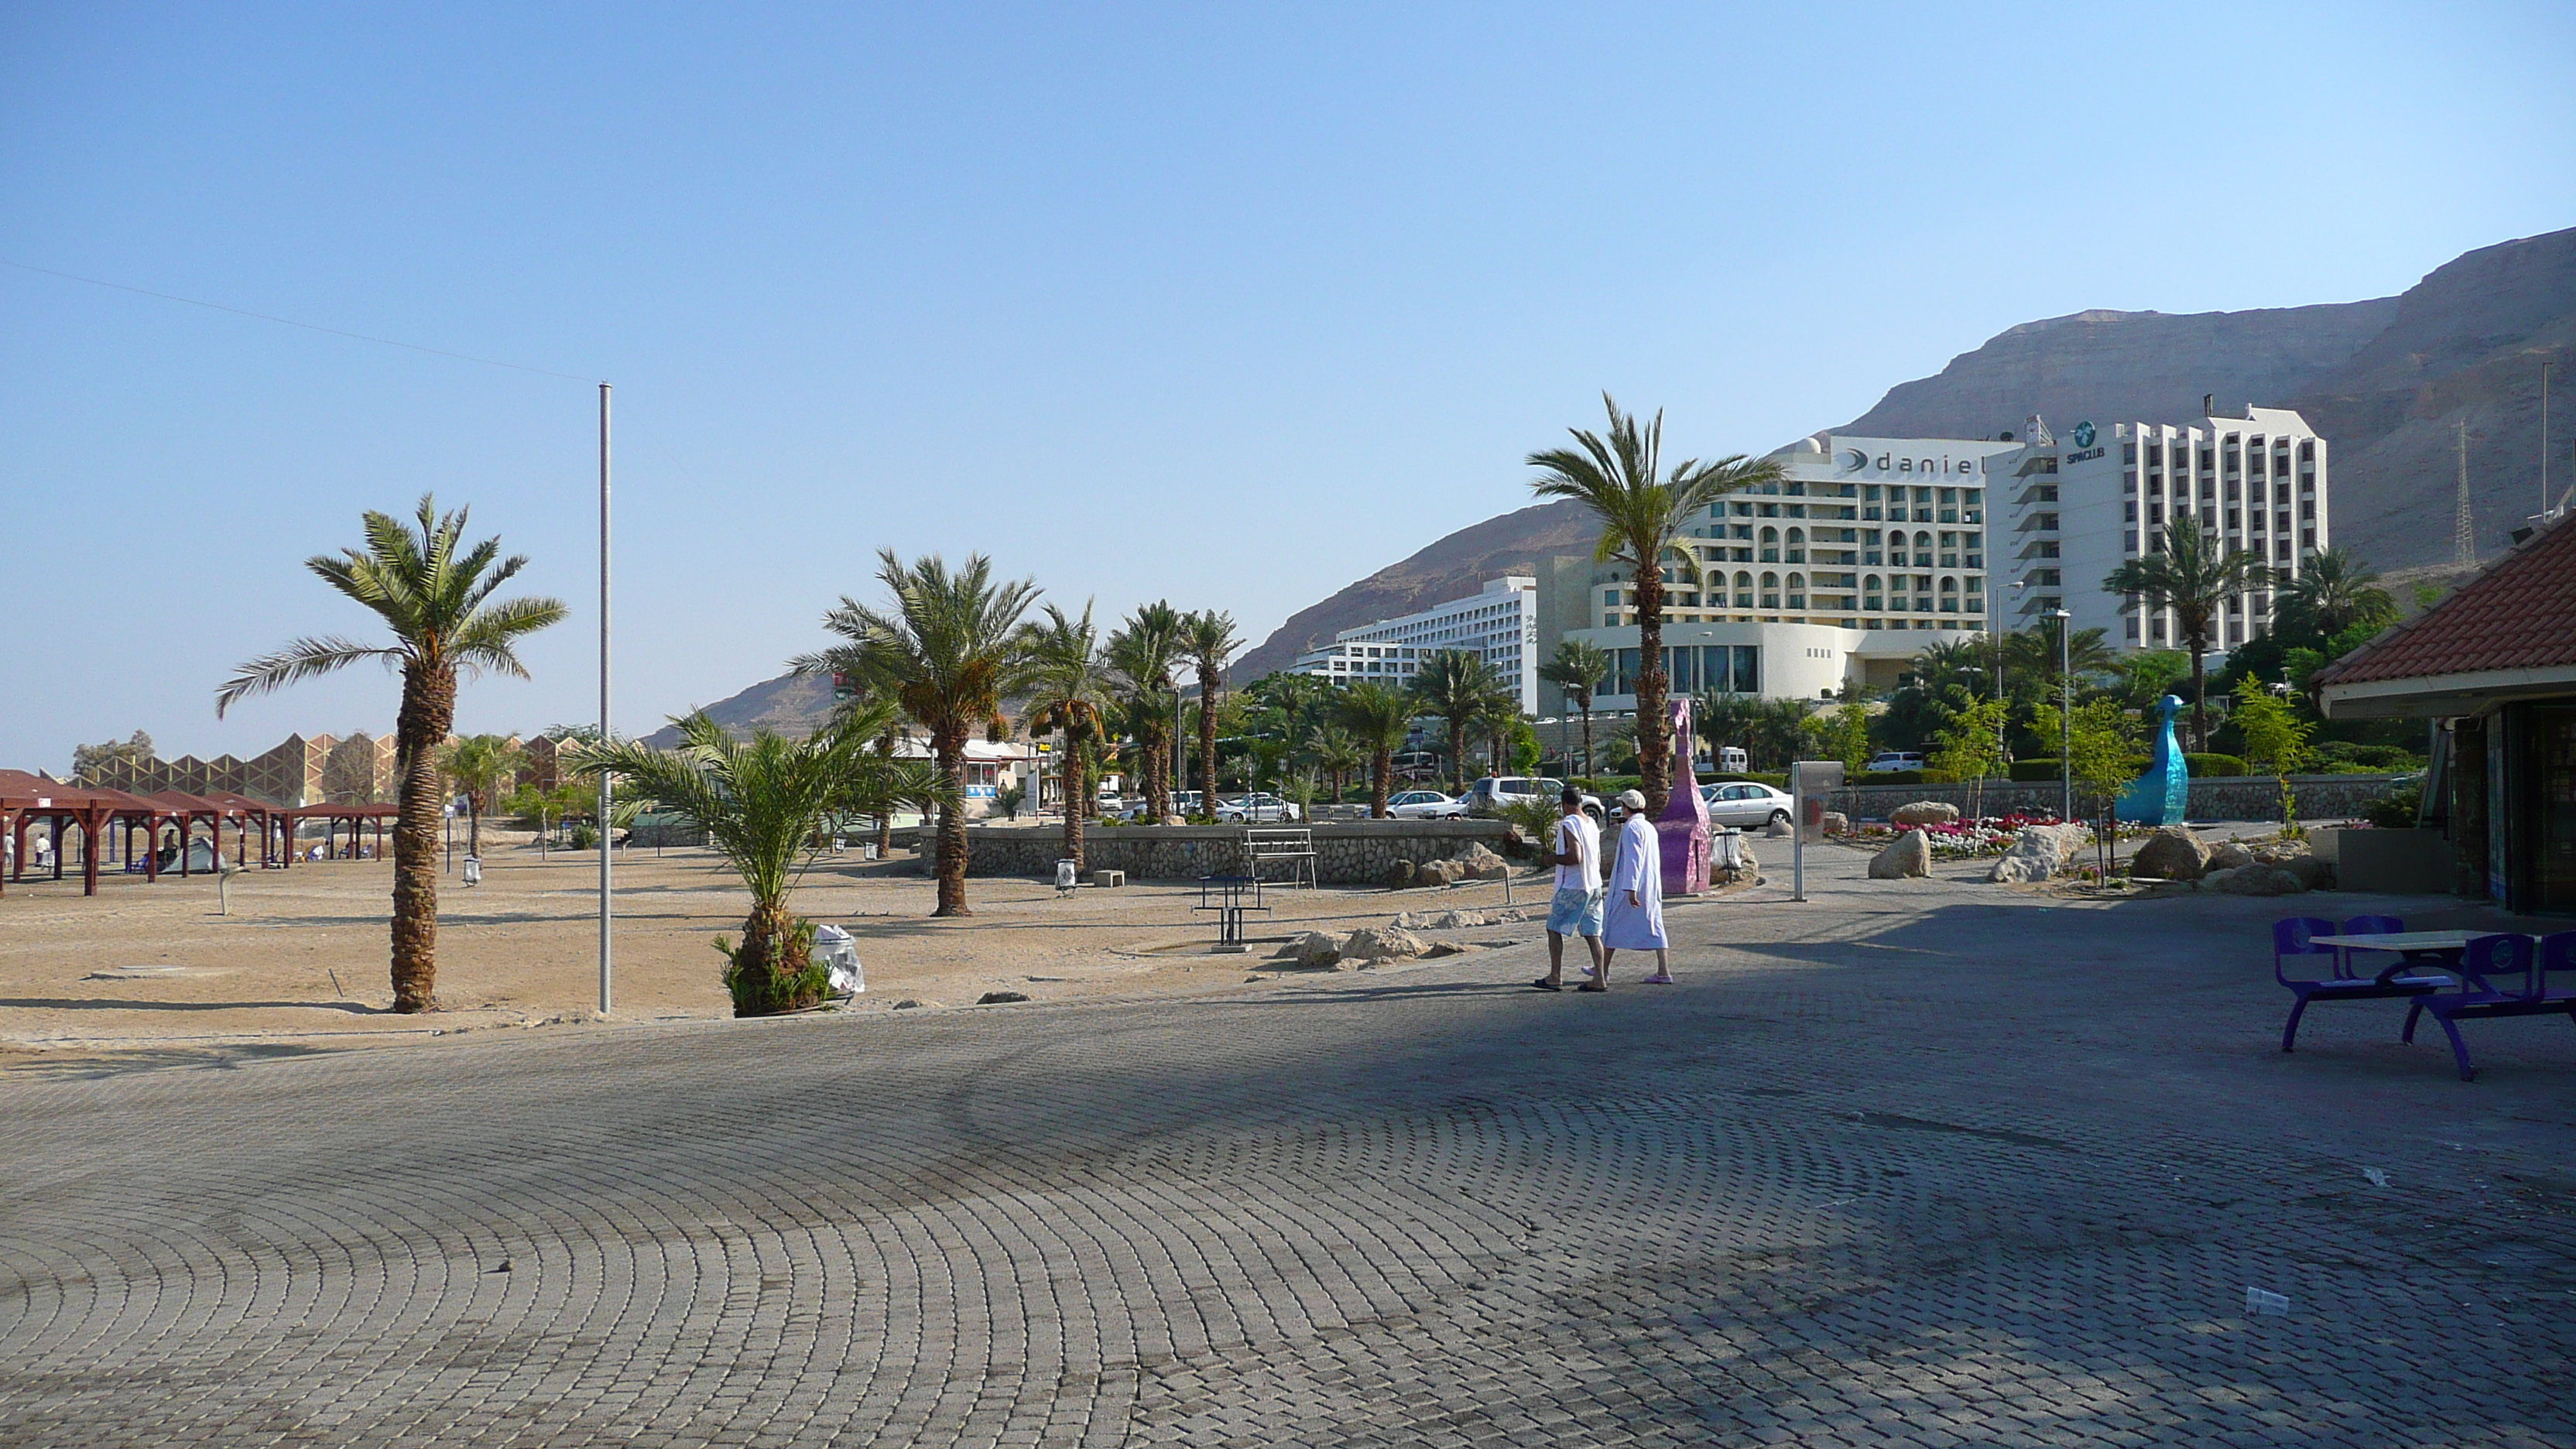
[(760, 989)]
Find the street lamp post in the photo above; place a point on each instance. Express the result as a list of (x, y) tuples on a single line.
[(2065, 714)]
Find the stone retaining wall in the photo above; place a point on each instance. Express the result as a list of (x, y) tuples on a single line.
[(1353, 852), (2236, 797)]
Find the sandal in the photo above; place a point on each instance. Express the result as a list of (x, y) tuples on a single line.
[(1544, 984), (1592, 986)]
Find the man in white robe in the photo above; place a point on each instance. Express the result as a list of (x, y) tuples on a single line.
[(1634, 917)]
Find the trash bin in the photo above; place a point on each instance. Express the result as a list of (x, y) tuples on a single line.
[(1065, 878), (473, 870), (838, 950)]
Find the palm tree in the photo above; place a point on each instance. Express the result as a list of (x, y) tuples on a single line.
[(1643, 511), (479, 764), (1335, 752), (1142, 653), (2034, 654), (1069, 698), (1378, 719), (2341, 591), (1578, 667), (1454, 685), (1501, 716), (2193, 575), (1208, 638), (761, 802), (948, 652), (1724, 717), (438, 602), (1964, 660)]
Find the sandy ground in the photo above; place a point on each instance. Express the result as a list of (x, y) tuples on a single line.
[(302, 956)]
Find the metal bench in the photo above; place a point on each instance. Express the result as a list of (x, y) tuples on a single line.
[(1262, 845), (1231, 897)]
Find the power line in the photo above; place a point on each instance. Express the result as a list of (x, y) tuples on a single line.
[(291, 322)]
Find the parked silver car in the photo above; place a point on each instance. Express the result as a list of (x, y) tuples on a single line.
[(1488, 795), (1425, 805), (1744, 804), (1257, 809)]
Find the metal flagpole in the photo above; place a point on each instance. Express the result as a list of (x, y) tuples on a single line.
[(606, 830)]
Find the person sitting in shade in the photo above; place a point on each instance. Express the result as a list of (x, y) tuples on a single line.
[(1633, 919)]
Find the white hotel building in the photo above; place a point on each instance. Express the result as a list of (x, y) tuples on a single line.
[(2076, 507), (1498, 625), (1835, 578)]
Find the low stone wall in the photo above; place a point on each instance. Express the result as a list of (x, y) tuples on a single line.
[(1355, 852), (2234, 797)]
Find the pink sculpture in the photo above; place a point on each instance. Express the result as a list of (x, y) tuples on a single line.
[(1683, 829)]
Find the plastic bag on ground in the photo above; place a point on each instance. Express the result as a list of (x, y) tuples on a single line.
[(838, 950)]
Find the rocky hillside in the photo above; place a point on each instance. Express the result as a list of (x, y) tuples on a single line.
[(2386, 381), (2146, 365), (794, 705), (1451, 568)]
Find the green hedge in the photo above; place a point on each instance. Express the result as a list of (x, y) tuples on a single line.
[(2035, 771), (1885, 777), (2212, 767)]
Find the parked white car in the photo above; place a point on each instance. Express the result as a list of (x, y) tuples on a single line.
[(1488, 795), (1425, 805), (1745, 804), (1257, 809), (1890, 761)]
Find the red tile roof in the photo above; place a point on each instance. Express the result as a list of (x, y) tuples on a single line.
[(2519, 614)]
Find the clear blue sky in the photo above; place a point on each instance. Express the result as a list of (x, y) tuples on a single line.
[(1219, 304)]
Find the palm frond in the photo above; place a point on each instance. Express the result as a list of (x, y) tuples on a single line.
[(303, 659)]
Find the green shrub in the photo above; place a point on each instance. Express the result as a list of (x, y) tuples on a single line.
[(784, 992), (1729, 777), (2213, 767), (2395, 812), (2342, 757), (2034, 771), (1885, 777), (583, 837)]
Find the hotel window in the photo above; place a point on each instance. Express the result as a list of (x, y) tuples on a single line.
[(2130, 627), (1797, 591), (1949, 550), (1949, 596), (1743, 590), (1770, 545), (1797, 545), (1770, 591), (2155, 455), (2307, 538), (2208, 464)]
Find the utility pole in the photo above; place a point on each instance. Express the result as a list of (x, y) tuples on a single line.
[(2545, 365), (607, 832), (2464, 534)]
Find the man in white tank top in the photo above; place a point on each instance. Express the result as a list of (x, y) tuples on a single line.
[(1574, 848)]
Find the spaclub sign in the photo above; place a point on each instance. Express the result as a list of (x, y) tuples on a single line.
[(2085, 451)]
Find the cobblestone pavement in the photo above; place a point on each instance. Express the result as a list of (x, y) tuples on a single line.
[(1915, 1163)]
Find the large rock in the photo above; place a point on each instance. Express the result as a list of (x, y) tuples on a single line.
[(2173, 853), (1440, 920), (1923, 812), (2228, 855), (2253, 880), (1399, 874), (1371, 944), (2313, 874), (1911, 855), (1317, 950), (1439, 872), (1482, 864), (1834, 822), (2040, 851)]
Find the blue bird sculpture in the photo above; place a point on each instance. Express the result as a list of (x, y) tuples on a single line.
[(2162, 795)]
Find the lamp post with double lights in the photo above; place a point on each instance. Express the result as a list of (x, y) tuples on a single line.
[(2065, 714)]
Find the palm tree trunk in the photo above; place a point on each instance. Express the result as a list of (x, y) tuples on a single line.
[(1457, 756), (1654, 731), (473, 825), (1077, 783), (1587, 739), (1381, 765), (428, 708), (1207, 739), (949, 749), (768, 934), (2199, 691)]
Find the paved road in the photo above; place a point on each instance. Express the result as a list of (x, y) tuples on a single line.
[(1916, 1164)]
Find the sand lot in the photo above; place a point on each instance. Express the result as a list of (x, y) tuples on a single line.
[(303, 954)]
